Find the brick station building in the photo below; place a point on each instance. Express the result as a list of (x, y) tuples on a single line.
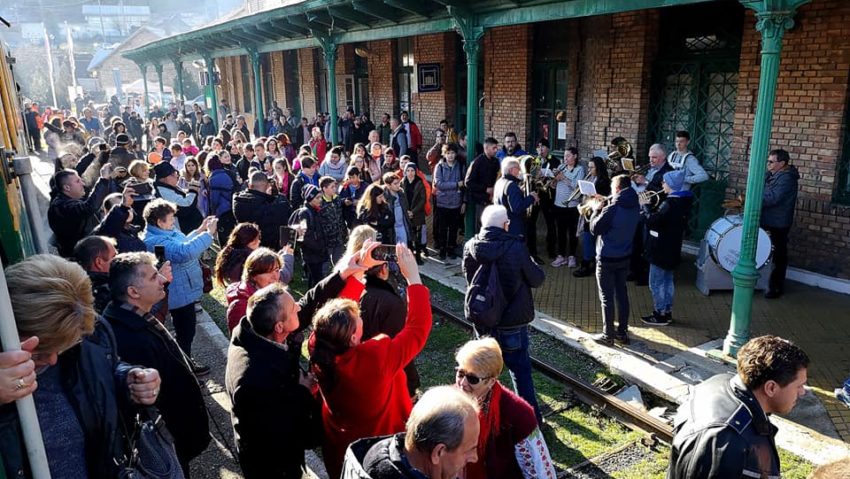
[(576, 72)]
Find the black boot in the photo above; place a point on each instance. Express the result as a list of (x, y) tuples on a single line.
[(418, 255), (583, 270)]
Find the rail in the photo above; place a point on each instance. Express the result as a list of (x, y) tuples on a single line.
[(608, 404)]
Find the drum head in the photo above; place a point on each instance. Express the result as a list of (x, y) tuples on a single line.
[(728, 248)]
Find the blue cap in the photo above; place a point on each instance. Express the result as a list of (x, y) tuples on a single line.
[(675, 179)]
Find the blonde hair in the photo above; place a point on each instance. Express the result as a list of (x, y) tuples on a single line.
[(485, 354), (52, 299), (136, 167), (358, 236)]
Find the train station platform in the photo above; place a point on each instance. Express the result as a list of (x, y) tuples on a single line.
[(815, 319)]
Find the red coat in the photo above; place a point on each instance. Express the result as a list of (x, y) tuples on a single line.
[(237, 301), (370, 397)]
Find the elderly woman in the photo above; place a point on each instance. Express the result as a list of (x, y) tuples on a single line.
[(363, 384), (510, 444), (82, 386), (262, 268), (184, 252)]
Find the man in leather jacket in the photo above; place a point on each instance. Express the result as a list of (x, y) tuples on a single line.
[(723, 431)]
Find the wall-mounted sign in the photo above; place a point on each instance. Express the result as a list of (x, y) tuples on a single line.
[(429, 77)]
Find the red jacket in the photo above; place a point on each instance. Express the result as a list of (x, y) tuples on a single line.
[(237, 301), (415, 136), (370, 397)]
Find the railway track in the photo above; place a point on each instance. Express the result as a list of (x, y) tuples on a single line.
[(608, 404)]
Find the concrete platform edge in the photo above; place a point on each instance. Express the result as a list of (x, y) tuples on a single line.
[(800, 440)]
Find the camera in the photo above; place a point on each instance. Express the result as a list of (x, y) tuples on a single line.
[(385, 252)]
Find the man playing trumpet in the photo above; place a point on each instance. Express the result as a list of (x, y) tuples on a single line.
[(658, 166)]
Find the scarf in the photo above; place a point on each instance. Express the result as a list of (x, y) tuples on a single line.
[(489, 417)]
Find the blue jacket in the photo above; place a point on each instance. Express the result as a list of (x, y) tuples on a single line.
[(615, 226), (222, 188), (779, 198), (184, 252), (508, 194)]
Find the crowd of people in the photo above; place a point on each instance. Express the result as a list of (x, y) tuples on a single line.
[(137, 203)]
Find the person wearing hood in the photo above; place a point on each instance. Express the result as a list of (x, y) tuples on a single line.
[(665, 228), (334, 165), (206, 128), (614, 226), (517, 275), (118, 127), (257, 205), (777, 214)]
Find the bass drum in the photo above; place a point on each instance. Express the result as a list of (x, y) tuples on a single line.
[(724, 242)]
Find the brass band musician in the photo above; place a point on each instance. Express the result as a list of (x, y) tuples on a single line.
[(651, 181), (545, 164)]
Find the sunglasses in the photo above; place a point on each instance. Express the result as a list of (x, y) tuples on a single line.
[(470, 378)]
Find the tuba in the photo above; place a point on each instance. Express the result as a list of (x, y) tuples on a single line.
[(530, 175), (622, 149)]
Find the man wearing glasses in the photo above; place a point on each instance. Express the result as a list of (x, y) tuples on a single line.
[(777, 214)]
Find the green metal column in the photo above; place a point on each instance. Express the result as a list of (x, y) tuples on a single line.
[(178, 68), (254, 55), (144, 69), (471, 35), (158, 68), (773, 18), (329, 49), (210, 62)]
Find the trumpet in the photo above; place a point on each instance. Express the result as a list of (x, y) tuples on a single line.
[(652, 198)]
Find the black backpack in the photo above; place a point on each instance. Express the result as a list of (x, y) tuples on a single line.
[(485, 301)]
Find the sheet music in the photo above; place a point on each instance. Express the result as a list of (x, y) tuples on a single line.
[(587, 188)]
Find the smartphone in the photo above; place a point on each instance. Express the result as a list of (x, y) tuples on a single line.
[(159, 252), (287, 237), (385, 252)]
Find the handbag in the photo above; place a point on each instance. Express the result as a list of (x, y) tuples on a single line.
[(151, 449), (206, 273)]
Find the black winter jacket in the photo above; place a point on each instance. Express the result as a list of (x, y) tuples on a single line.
[(180, 400), (383, 221), (722, 432), (312, 247), (379, 458), (517, 273), (72, 220), (482, 174), (269, 212), (780, 198), (95, 382), (665, 228), (274, 418), (115, 226)]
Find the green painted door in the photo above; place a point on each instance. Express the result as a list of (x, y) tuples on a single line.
[(695, 87)]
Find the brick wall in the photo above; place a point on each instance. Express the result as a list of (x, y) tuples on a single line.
[(383, 91), (610, 88), (431, 107), (808, 121), (507, 82), (307, 76), (279, 72)]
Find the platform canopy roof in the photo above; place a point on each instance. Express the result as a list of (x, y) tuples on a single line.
[(299, 25)]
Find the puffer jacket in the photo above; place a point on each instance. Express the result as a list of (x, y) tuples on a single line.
[(779, 198), (615, 226), (222, 188), (269, 212), (94, 380), (184, 252), (313, 248), (722, 431), (446, 178), (517, 273)]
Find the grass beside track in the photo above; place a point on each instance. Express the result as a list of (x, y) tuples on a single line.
[(574, 432)]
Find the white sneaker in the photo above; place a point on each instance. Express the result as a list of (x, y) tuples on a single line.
[(571, 262), (559, 261)]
